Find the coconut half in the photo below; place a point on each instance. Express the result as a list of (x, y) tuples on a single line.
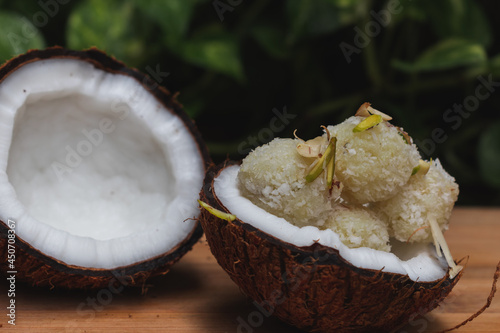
[(100, 170), (308, 278)]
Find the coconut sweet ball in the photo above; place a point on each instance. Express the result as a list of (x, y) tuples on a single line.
[(357, 226), (426, 196), (373, 164), (272, 177)]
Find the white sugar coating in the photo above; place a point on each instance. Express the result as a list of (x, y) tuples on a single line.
[(373, 164), (357, 227), (424, 196), (273, 178)]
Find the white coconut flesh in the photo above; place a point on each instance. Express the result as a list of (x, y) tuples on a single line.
[(93, 169), (417, 260)]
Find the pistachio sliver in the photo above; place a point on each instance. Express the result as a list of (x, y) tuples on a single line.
[(422, 168), (330, 169), (323, 161), (216, 212), (368, 123), (416, 170)]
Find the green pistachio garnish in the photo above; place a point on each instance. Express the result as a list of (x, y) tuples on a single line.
[(323, 161), (216, 212), (368, 123)]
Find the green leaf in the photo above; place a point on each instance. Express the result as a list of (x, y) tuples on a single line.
[(272, 40), (24, 8), (217, 52), (412, 11), (489, 155), (463, 19), (18, 36), (193, 107), (322, 16), (110, 26), (173, 16), (494, 65), (343, 3), (446, 54)]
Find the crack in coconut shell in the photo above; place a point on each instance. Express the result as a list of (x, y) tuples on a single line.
[(39, 269), (313, 287)]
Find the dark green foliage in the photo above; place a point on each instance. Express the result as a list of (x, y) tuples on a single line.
[(252, 70)]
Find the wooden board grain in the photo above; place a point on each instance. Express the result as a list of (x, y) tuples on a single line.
[(197, 295)]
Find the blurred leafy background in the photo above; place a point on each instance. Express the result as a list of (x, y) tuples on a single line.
[(239, 63)]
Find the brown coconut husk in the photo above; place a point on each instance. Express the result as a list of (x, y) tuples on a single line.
[(314, 288)]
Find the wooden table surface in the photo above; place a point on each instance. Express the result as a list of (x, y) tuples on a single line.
[(198, 296)]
